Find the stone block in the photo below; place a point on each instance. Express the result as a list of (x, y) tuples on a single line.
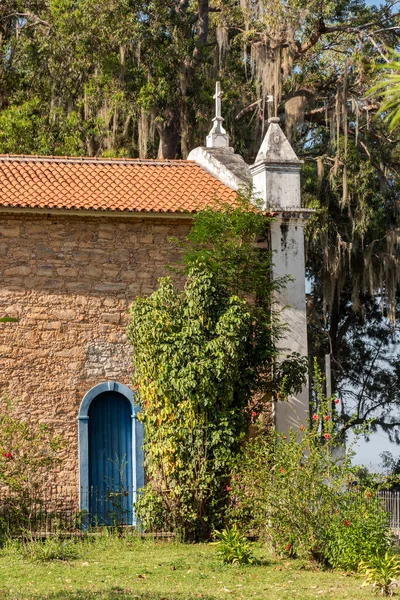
[(144, 275), (44, 251), (10, 230), (146, 239), (109, 302), (64, 315), (45, 270), (78, 286), (49, 284), (93, 271), (106, 234), (110, 271), (51, 324), (67, 272), (18, 270), (110, 317), (110, 287)]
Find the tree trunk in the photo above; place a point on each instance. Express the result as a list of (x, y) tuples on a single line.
[(184, 80), (169, 130)]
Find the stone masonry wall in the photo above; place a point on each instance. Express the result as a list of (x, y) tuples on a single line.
[(70, 281)]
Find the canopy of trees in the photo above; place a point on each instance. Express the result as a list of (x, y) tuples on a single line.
[(136, 78)]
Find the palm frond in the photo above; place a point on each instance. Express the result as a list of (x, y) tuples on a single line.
[(389, 89)]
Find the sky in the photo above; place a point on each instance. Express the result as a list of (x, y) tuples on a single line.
[(368, 452)]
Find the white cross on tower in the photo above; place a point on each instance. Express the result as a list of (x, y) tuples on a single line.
[(217, 97), (217, 138)]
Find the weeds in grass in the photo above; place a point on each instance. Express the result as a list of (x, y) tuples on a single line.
[(382, 571), (52, 548), (233, 547)]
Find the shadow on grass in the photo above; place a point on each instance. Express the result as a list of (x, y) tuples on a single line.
[(115, 593)]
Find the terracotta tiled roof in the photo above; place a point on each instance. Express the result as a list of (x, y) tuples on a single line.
[(107, 184)]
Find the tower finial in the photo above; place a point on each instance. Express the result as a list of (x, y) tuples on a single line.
[(217, 138)]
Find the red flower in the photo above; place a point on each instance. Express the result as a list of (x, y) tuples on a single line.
[(7, 455), (288, 546), (346, 523), (4, 454), (326, 436), (253, 413), (326, 418), (315, 417), (337, 400), (227, 488), (281, 470)]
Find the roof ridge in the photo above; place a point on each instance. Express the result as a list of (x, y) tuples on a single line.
[(94, 160)]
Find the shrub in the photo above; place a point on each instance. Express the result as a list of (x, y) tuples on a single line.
[(233, 547), (151, 511), (28, 452), (358, 531), (293, 491)]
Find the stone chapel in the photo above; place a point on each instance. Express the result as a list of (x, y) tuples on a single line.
[(80, 238)]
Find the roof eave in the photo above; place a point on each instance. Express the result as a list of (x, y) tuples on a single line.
[(99, 213)]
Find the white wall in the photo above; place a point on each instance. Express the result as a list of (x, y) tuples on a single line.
[(287, 243)]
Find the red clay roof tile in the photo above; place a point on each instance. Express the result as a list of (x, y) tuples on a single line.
[(108, 184)]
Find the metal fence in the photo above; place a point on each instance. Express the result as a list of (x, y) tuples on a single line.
[(391, 504), (56, 510)]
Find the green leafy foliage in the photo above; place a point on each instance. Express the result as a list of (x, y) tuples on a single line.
[(382, 571), (232, 547), (152, 511), (295, 492), (231, 243), (200, 355), (361, 534)]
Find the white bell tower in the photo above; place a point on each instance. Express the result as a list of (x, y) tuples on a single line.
[(276, 180)]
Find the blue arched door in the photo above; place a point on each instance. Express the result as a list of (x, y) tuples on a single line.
[(110, 459)]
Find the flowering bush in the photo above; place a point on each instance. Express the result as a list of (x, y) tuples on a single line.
[(27, 451), (293, 491), (359, 536), (27, 454)]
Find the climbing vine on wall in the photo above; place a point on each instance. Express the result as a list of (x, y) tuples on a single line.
[(204, 366)]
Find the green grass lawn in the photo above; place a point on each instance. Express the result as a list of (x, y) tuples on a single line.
[(112, 568)]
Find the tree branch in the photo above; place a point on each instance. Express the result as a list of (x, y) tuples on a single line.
[(27, 15), (322, 29)]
